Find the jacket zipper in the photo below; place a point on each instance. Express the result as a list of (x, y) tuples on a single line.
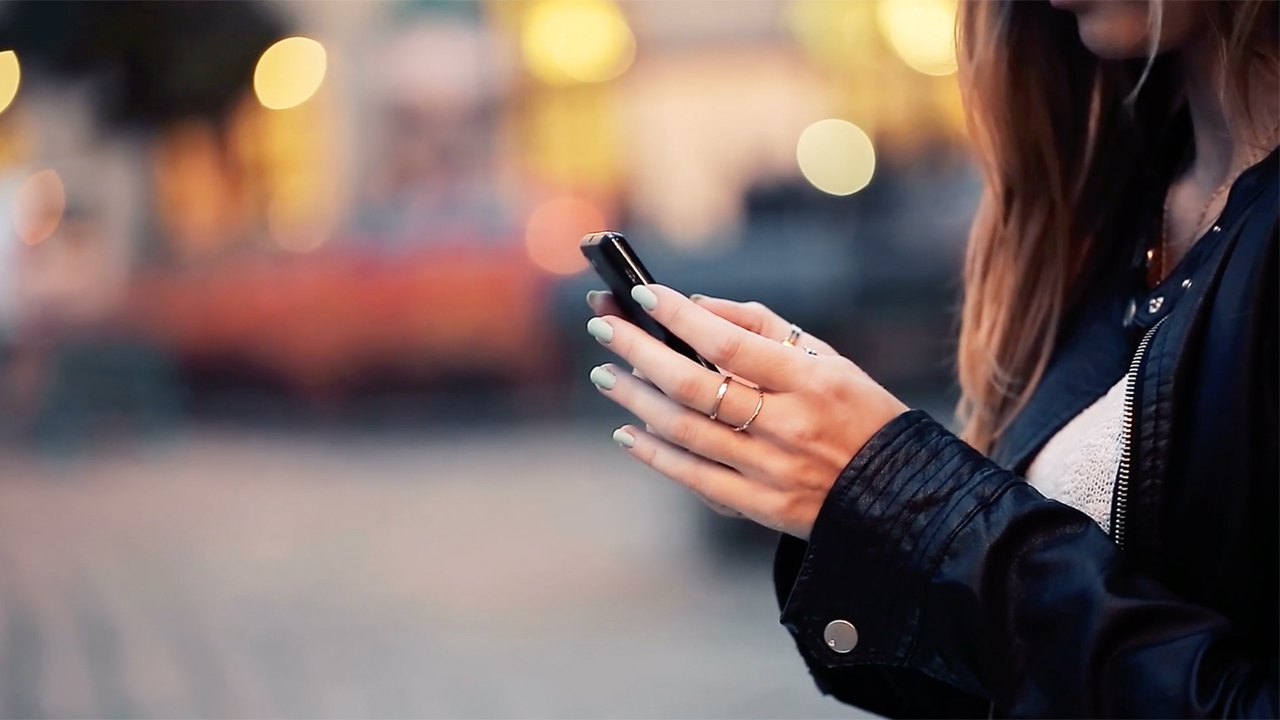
[(1123, 475)]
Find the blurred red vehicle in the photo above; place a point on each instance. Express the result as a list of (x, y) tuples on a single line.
[(322, 320)]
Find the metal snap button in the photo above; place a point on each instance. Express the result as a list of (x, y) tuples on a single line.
[(1186, 283), (841, 636), (1155, 303), (1216, 228)]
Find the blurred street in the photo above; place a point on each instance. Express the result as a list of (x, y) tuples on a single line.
[(294, 409), (495, 572)]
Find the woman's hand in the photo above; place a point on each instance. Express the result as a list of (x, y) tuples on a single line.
[(815, 411)]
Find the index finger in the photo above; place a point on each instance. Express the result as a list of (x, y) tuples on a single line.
[(765, 362), (760, 320)]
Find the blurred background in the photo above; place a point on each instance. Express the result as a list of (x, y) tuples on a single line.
[(294, 410)]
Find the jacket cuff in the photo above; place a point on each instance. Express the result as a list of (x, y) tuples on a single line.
[(879, 539)]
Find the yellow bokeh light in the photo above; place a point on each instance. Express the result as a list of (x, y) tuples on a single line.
[(297, 217), (38, 205), (836, 156), (10, 78), (555, 230), (835, 34), (572, 41), (289, 72), (922, 32)]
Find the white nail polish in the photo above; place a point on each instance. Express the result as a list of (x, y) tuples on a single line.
[(600, 330), (645, 297), (601, 376), (624, 438)]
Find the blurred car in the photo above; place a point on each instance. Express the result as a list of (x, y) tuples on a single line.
[(324, 323)]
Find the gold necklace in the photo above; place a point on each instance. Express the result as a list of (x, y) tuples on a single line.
[(1204, 212)]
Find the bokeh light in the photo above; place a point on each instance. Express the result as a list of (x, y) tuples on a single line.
[(836, 156), (38, 205), (921, 32), (10, 78), (834, 34), (296, 220), (577, 41), (555, 230), (289, 72)]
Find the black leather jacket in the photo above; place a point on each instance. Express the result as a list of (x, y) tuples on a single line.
[(972, 593)]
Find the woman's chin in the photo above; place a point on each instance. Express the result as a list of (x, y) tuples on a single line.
[(1110, 30), (1112, 43), (1113, 51)]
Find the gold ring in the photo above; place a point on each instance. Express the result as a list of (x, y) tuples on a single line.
[(759, 404), (724, 388), (793, 335)]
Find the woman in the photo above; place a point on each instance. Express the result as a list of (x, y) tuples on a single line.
[(1104, 539)]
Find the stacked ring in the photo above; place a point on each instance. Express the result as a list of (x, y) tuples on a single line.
[(724, 388), (720, 393), (759, 404), (793, 335)]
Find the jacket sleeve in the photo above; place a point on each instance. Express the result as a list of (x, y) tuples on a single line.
[(965, 583)]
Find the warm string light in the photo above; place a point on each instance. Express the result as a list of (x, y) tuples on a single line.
[(554, 231), (38, 205), (921, 32), (576, 41), (836, 156), (10, 78), (289, 72)]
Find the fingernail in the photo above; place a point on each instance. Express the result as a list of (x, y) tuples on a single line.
[(645, 297), (697, 297), (601, 376), (593, 296), (600, 330), (624, 438)]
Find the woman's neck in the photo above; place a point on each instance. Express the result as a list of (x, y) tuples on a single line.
[(1225, 138)]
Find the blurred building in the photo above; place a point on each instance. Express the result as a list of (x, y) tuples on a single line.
[(321, 199)]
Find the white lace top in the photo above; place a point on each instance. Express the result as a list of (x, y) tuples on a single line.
[(1078, 466)]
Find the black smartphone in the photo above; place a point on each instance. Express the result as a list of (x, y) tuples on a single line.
[(621, 269)]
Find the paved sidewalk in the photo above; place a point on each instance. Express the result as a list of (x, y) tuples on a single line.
[(508, 574)]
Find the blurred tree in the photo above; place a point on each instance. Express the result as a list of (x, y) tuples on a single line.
[(157, 62)]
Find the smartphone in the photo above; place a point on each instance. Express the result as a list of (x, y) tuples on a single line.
[(620, 268)]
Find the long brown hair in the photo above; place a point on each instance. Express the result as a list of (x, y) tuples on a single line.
[(1062, 137)]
